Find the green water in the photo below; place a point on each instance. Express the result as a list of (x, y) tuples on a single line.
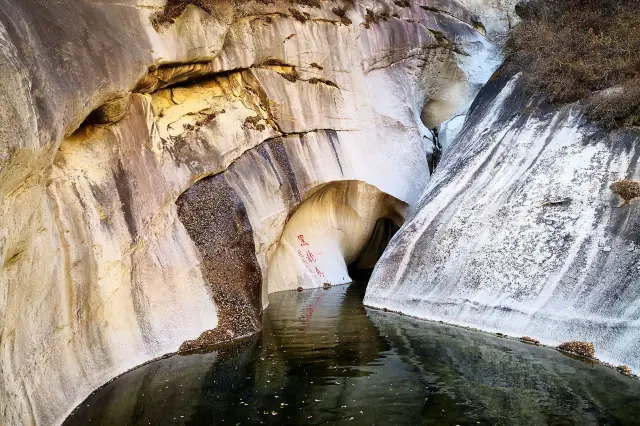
[(323, 358)]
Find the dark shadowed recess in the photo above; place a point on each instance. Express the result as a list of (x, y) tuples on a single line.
[(216, 220), (362, 268)]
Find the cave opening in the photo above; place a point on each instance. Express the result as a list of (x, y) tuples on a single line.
[(361, 269), (335, 236)]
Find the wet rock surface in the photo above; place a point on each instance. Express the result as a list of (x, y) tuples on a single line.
[(322, 358)]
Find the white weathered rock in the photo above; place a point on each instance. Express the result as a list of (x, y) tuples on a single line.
[(98, 274), (518, 231), (327, 233), (496, 16)]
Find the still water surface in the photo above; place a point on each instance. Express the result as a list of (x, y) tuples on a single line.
[(323, 358)]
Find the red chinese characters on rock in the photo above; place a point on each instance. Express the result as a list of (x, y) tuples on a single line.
[(308, 257)]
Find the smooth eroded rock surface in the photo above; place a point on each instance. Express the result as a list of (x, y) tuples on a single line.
[(519, 233), (98, 272)]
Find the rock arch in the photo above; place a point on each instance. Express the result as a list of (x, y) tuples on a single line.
[(328, 232)]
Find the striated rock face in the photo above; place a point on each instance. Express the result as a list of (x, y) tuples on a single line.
[(519, 233), (496, 17), (143, 149)]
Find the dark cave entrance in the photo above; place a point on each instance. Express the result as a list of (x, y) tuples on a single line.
[(362, 268)]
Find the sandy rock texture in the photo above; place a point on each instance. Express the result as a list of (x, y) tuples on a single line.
[(109, 115), (518, 231)]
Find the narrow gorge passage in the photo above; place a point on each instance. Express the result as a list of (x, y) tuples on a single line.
[(323, 358), (361, 269)]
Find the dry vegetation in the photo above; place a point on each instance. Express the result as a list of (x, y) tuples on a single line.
[(530, 340), (570, 49), (585, 349), (341, 12), (174, 8), (627, 190), (624, 369)]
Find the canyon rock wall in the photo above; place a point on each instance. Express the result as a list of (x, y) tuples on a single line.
[(519, 233), (124, 126), (497, 18)]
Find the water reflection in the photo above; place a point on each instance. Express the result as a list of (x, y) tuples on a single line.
[(322, 358)]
